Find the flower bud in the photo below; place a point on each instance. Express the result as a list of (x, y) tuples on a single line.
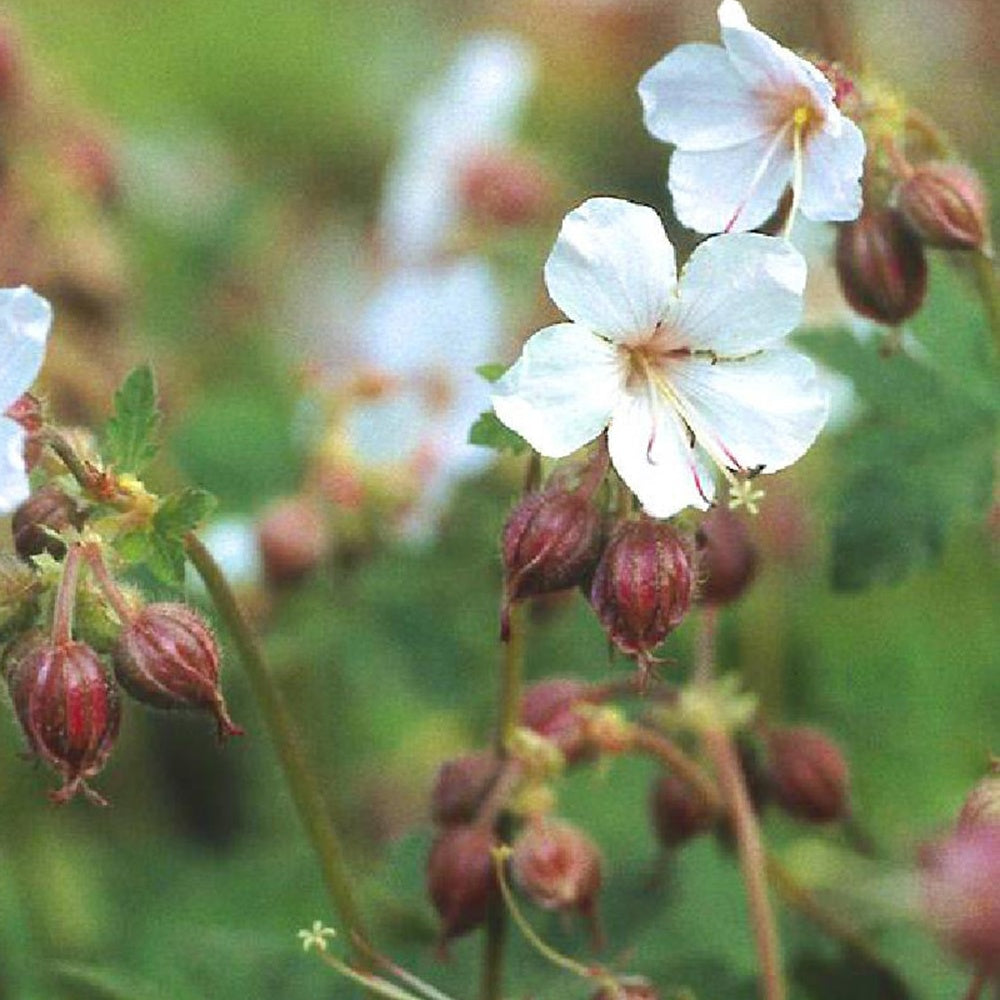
[(632, 988), (557, 865), (549, 708), (960, 875), (642, 587), (26, 410), (461, 785), (551, 541), (727, 559), (881, 266), (167, 657), (946, 204), (982, 804), (461, 878), (679, 812), (47, 510), (68, 708), (809, 775), (293, 537), (504, 189)]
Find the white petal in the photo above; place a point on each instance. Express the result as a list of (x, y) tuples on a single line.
[(612, 268), (25, 319), (738, 293), (13, 478), (694, 98), (763, 411), (561, 392), (649, 447), (832, 166), (736, 188)]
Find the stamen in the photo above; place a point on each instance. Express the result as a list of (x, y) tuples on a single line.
[(801, 121), (758, 176)]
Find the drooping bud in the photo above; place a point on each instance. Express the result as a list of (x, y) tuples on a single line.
[(960, 875), (982, 804), (44, 514), (68, 708), (642, 587), (558, 866), (809, 774), (727, 559), (461, 786), (461, 878), (946, 204), (632, 988), (881, 266), (549, 708), (679, 812), (167, 657), (504, 189), (293, 537)]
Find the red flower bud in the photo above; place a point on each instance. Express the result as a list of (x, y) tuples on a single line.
[(557, 865), (504, 189), (960, 875), (633, 988), (461, 878), (47, 510), (68, 708), (727, 559), (946, 204), (293, 537), (809, 774), (642, 586), (881, 266), (982, 804), (26, 410), (549, 708), (167, 657), (679, 812), (461, 785)]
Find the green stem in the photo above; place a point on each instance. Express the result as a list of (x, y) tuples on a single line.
[(301, 779), (989, 292)]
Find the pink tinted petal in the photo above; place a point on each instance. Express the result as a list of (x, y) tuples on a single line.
[(649, 447), (694, 98), (763, 411), (738, 293), (740, 185), (562, 390), (612, 269), (13, 479), (831, 178)]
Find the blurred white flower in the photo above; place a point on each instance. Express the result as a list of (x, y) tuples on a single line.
[(25, 318), (747, 119), (678, 371), (233, 544), (474, 110)]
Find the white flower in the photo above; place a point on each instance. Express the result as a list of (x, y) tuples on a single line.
[(25, 319), (475, 109), (748, 119), (678, 371)]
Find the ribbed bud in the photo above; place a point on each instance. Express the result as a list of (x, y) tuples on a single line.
[(960, 875), (809, 775), (293, 537), (68, 708), (461, 878), (633, 988), (549, 708), (557, 865), (504, 189), (727, 559), (946, 204), (881, 266), (679, 812), (167, 657), (461, 785), (982, 804), (47, 510), (642, 587)]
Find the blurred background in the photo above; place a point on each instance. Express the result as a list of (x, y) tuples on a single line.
[(227, 190)]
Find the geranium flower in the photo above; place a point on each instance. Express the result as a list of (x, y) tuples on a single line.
[(25, 319), (747, 119), (678, 371)]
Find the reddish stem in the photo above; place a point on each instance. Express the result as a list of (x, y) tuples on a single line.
[(62, 618), (107, 583)]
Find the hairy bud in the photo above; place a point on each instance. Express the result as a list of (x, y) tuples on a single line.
[(982, 804), (679, 812), (809, 775), (946, 204), (881, 266), (461, 786), (727, 559), (45, 513), (642, 587), (461, 878), (293, 537), (68, 708), (167, 657), (549, 708)]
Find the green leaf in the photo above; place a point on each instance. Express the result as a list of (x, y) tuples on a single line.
[(489, 432), (129, 433), (492, 372), (182, 511)]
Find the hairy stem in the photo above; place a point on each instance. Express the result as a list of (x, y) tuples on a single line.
[(989, 292), (62, 617), (675, 759)]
